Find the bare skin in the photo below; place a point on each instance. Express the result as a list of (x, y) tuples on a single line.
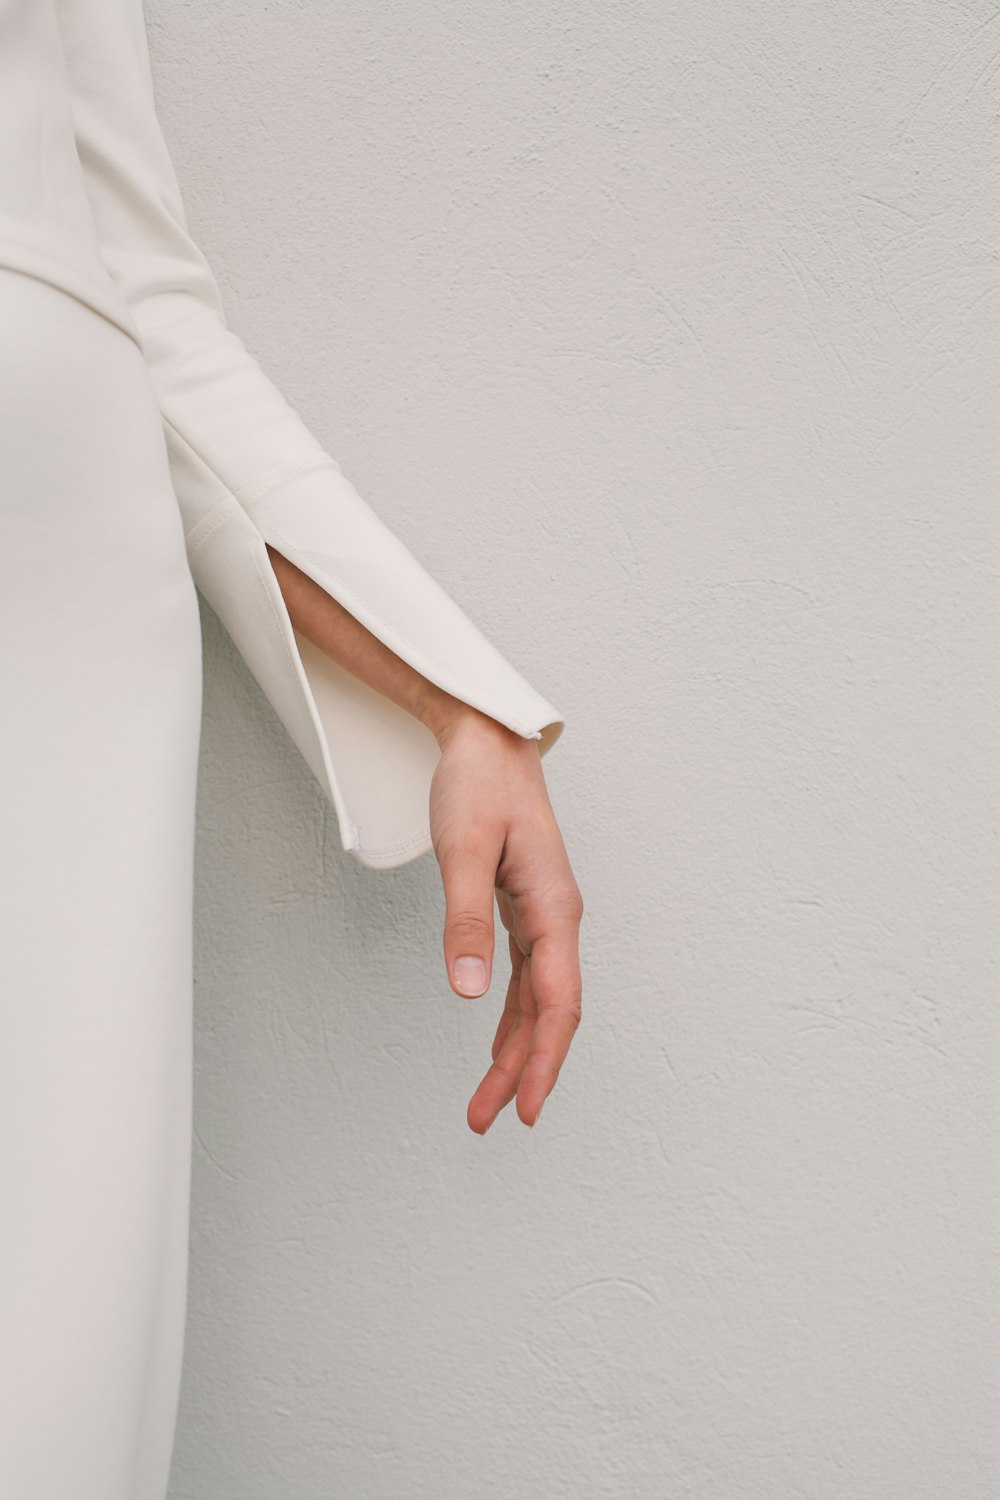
[(495, 835)]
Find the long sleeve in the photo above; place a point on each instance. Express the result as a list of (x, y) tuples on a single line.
[(247, 472)]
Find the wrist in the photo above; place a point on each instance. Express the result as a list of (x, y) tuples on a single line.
[(440, 713), (443, 715)]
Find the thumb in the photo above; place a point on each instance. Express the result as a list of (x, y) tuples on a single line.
[(469, 882)]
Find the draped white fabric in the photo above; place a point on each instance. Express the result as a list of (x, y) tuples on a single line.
[(92, 204)]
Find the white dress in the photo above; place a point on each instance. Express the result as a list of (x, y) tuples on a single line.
[(143, 452)]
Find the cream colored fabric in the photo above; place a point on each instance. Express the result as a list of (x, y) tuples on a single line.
[(93, 205), (100, 661)]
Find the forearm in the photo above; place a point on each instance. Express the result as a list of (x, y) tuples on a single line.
[(331, 627)]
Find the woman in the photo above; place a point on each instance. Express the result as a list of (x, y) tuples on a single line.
[(143, 451)]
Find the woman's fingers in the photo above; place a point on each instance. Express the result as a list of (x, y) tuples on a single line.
[(487, 1101), (468, 871), (499, 1085), (556, 994), (539, 1021), (509, 1013)]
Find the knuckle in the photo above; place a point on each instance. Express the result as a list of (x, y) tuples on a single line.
[(503, 1070), (468, 924), (561, 899), (568, 901), (573, 1011)]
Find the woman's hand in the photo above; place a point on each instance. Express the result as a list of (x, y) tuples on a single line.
[(494, 831)]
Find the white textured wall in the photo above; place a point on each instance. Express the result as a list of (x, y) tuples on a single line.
[(665, 334)]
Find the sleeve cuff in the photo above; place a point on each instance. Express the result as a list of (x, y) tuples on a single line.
[(373, 760)]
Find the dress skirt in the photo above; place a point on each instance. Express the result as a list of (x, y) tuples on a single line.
[(101, 687)]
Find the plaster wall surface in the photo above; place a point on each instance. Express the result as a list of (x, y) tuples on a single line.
[(665, 334)]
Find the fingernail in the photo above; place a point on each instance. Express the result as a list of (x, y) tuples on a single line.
[(538, 1113), (470, 975)]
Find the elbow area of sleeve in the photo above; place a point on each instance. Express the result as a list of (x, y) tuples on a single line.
[(373, 760)]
